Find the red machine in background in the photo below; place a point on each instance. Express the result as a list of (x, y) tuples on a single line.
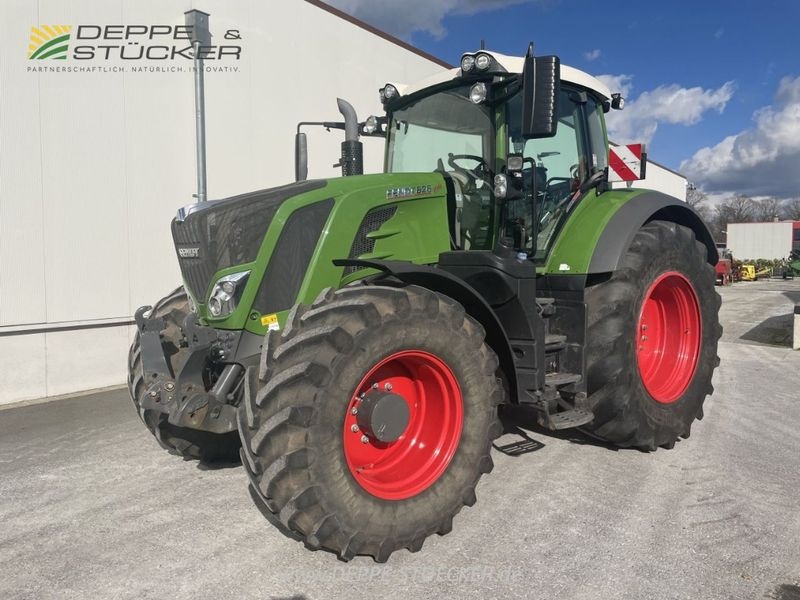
[(724, 268)]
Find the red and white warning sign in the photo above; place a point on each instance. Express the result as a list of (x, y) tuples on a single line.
[(626, 163)]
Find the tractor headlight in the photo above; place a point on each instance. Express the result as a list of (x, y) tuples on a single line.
[(215, 306), (389, 91), (371, 124), (226, 294), (500, 186), (482, 61), (477, 93), (467, 63)]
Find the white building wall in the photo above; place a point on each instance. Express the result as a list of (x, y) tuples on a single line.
[(751, 241), (93, 166), (662, 179)]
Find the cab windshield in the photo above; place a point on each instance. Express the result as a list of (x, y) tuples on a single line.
[(447, 132)]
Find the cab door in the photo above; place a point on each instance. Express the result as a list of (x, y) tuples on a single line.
[(555, 167)]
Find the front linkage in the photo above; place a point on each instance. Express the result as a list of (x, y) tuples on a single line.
[(181, 394)]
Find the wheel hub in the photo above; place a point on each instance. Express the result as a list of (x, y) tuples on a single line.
[(669, 334), (383, 416), (403, 424)]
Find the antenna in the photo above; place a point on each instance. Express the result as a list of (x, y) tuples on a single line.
[(483, 44)]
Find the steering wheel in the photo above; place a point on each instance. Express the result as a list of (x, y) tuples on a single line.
[(480, 171)]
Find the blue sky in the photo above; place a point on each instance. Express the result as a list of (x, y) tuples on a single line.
[(697, 72)]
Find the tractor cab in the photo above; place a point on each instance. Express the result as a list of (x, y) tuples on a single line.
[(515, 160)]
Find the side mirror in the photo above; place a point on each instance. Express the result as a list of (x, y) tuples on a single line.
[(300, 157), (627, 163), (541, 83)]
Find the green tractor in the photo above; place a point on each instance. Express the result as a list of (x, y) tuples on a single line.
[(354, 339), (791, 266)]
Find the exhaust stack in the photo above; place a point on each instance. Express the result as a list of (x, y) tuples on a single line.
[(352, 161), (300, 156)]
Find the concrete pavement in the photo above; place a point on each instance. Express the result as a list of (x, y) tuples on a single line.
[(91, 507)]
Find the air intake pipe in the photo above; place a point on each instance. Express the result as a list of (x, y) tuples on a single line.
[(352, 161)]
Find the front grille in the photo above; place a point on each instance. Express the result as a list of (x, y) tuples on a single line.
[(362, 244), (227, 233), (289, 261)]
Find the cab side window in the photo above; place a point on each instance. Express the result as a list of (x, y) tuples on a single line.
[(559, 164), (597, 134), (554, 170)]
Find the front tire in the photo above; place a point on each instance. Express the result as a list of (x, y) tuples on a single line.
[(653, 329), (354, 488), (181, 441)]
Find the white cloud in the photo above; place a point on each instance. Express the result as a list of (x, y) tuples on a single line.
[(673, 104), (404, 18), (760, 161), (592, 54), (618, 83)]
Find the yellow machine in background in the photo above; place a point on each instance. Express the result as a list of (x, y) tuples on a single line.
[(765, 272), (749, 273)]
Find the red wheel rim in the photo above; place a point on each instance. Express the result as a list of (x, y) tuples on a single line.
[(413, 462), (669, 335)]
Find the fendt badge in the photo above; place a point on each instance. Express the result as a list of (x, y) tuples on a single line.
[(404, 192), (189, 252)]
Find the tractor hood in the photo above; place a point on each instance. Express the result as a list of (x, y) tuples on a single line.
[(215, 235), (276, 245)]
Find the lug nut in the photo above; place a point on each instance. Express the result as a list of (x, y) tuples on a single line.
[(169, 386), (374, 386), (644, 338), (153, 394), (354, 411), (644, 327), (364, 439), (388, 387), (354, 428)]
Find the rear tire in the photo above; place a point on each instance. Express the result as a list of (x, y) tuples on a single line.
[(302, 452), (644, 395), (181, 441)]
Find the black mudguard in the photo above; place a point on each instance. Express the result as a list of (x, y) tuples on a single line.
[(445, 283)]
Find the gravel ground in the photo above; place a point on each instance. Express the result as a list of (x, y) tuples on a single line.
[(90, 507)]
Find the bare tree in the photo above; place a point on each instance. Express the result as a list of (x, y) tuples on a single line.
[(791, 209), (768, 209), (739, 209), (697, 199)]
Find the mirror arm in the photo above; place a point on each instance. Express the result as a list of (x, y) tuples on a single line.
[(599, 180)]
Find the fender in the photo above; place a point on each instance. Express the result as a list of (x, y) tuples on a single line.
[(445, 283), (600, 229), (631, 216)]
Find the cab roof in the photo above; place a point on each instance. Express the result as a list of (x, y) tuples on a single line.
[(512, 64)]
